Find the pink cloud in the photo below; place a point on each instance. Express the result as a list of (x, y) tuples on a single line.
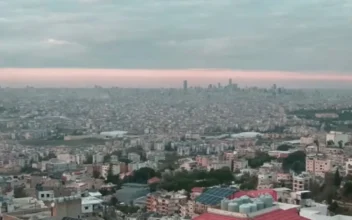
[(127, 77)]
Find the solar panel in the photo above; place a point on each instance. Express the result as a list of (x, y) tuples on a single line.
[(213, 196)]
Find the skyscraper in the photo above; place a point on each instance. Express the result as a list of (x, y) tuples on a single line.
[(185, 85), (274, 87), (230, 82)]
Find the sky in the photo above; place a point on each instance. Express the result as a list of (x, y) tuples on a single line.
[(302, 37)]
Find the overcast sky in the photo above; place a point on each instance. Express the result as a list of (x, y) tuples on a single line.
[(292, 35)]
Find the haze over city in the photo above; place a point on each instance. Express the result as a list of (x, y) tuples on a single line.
[(175, 110), (297, 43), (44, 77)]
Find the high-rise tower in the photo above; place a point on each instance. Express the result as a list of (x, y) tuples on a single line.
[(185, 85)]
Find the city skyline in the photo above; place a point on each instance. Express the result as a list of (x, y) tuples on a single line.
[(42, 77)]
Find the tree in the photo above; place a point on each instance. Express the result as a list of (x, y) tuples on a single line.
[(19, 192), (51, 155), (330, 143), (153, 187), (340, 144), (197, 178), (316, 142), (298, 167), (125, 160), (329, 198), (96, 174), (337, 179), (110, 177), (143, 175), (259, 159), (29, 169), (333, 206), (296, 160), (249, 182), (114, 201), (168, 146), (89, 159), (284, 147), (347, 189)]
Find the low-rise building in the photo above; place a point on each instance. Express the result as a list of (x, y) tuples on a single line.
[(166, 203), (301, 182)]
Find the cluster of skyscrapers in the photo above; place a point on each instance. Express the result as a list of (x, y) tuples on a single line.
[(185, 85)]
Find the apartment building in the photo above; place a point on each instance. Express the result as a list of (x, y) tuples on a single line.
[(165, 203), (189, 165), (232, 155), (266, 180), (336, 137), (284, 178), (116, 169), (134, 157), (348, 166), (202, 161), (311, 149), (219, 165), (318, 165), (187, 209), (240, 164), (306, 140), (301, 182)]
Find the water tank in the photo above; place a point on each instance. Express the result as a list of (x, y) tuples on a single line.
[(269, 201), (238, 201), (224, 204), (245, 199), (260, 204), (233, 207), (253, 207), (245, 209)]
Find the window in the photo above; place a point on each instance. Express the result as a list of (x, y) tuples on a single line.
[(86, 207), (42, 195), (47, 195)]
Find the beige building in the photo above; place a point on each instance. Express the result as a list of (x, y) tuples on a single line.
[(318, 165), (239, 164), (266, 180), (165, 203), (187, 209), (301, 182), (348, 167)]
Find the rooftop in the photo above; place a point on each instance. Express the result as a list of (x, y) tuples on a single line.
[(213, 196), (290, 214), (91, 200), (255, 193)]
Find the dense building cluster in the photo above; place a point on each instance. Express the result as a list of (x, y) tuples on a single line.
[(221, 152)]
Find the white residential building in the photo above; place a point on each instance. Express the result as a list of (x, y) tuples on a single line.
[(336, 137)]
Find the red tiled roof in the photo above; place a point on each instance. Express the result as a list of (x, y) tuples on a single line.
[(211, 216), (290, 214), (153, 180), (198, 189)]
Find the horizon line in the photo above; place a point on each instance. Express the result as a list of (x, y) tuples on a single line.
[(81, 77)]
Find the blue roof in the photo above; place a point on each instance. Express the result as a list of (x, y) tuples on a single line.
[(213, 196)]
